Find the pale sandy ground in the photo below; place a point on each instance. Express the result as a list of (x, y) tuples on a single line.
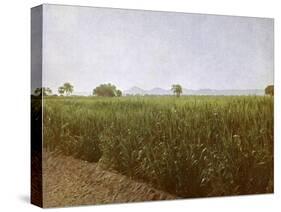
[(68, 181)]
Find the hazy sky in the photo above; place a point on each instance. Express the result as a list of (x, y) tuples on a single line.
[(89, 46)]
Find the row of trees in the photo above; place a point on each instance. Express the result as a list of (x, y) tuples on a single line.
[(110, 90), (177, 90), (67, 89)]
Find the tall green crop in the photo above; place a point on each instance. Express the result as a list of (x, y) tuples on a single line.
[(188, 146)]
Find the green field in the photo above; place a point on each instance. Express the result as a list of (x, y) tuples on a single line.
[(191, 146)]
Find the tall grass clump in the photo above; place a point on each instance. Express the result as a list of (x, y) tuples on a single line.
[(189, 146)]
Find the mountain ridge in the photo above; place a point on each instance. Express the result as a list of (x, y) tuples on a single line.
[(205, 91)]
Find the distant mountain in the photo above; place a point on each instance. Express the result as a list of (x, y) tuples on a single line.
[(139, 91), (232, 92), (134, 91), (160, 91)]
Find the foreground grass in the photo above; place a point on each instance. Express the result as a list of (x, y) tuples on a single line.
[(188, 146)]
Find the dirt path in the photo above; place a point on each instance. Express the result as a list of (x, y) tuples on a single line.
[(68, 181)]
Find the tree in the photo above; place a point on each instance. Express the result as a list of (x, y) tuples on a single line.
[(43, 91), (118, 93), (269, 90), (61, 90), (177, 89), (108, 90), (68, 88)]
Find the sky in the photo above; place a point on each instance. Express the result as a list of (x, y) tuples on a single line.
[(89, 46)]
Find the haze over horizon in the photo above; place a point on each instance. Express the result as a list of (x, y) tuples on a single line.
[(90, 46)]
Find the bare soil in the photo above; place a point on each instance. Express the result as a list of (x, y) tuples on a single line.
[(68, 181)]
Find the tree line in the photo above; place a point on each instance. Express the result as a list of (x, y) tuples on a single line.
[(110, 90)]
